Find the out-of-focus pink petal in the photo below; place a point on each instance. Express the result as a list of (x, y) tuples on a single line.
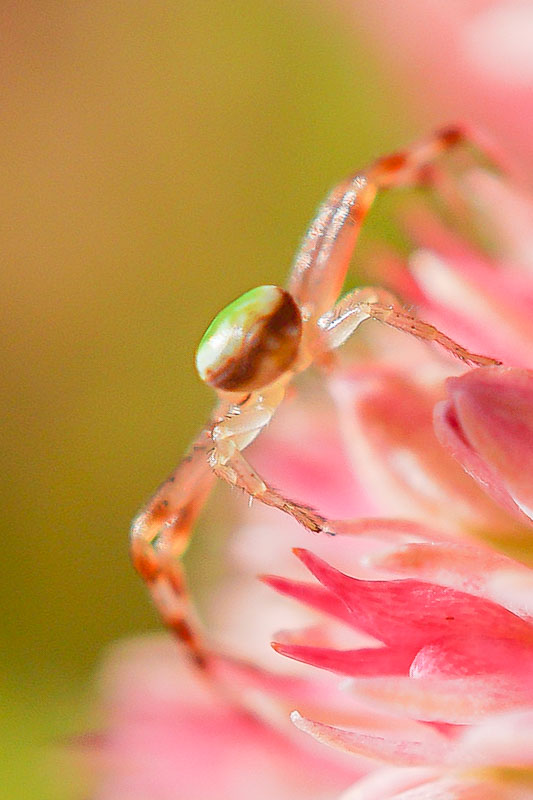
[(473, 303), (430, 750), (170, 735), (495, 207), (448, 46), (488, 425), (388, 429), (482, 301), (459, 701), (509, 214), (502, 741), (449, 787), (297, 458), (318, 696), (514, 590), (498, 42), (491, 761), (391, 782), (390, 528), (406, 612)]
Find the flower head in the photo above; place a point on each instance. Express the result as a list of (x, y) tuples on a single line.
[(407, 658)]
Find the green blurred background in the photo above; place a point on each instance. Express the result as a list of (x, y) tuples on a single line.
[(159, 158)]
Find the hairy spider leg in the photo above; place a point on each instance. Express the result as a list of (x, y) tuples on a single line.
[(228, 462), (320, 266), (235, 433), (315, 282), (373, 303), (160, 535)]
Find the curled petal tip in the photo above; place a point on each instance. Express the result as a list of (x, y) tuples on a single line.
[(487, 424)]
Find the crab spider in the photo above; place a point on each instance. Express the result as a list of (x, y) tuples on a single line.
[(251, 352)]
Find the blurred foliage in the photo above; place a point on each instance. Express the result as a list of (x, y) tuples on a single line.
[(159, 158)]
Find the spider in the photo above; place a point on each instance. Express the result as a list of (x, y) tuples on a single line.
[(251, 352)]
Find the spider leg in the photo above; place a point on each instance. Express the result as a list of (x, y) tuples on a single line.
[(233, 434), (321, 263), (160, 535), (369, 303)]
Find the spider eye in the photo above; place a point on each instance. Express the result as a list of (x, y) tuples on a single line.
[(251, 342)]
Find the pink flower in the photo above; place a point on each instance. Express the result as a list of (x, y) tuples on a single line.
[(171, 735), (451, 620), (442, 655), (407, 659)]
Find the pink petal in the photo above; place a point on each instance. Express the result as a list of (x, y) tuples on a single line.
[(510, 218), (475, 304), (472, 654), (389, 528), (385, 748), (365, 661), (448, 787), (437, 44), (502, 741), (387, 422), (389, 783), (442, 294), (171, 734), (296, 454), (319, 696), (389, 749), (408, 612), (312, 595), (473, 569), (448, 430), (465, 261), (488, 425), (458, 701), (506, 29)]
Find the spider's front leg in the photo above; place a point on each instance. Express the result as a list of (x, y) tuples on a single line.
[(160, 535), (322, 261), (233, 434), (355, 307)]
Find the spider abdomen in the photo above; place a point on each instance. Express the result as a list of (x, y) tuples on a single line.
[(251, 342)]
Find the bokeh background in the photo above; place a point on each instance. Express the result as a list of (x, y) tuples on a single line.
[(158, 159)]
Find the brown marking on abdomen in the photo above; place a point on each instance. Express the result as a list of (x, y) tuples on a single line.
[(266, 353)]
